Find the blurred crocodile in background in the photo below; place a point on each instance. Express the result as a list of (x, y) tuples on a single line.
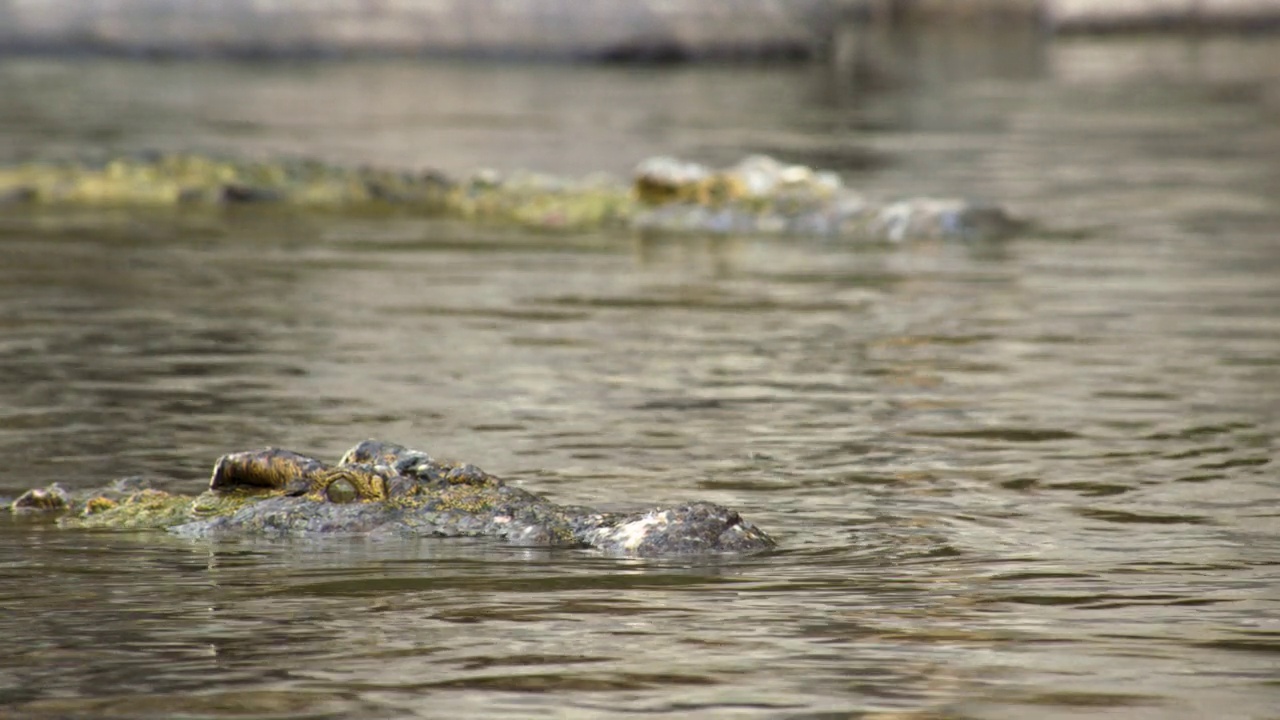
[(757, 196), (383, 489)]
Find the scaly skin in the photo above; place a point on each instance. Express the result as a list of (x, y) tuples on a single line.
[(758, 196), (387, 489)]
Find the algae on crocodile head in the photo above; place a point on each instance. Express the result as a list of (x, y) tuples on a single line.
[(386, 489), (757, 196)]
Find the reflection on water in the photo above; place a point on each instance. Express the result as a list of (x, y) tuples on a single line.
[(1035, 479)]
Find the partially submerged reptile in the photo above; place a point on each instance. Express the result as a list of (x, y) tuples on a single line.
[(758, 195), (383, 489)]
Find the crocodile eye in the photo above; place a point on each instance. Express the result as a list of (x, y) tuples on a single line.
[(341, 491)]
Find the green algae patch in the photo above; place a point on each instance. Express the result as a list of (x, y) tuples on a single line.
[(146, 509), (471, 499), (156, 509), (192, 179), (541, 201), (220, 503), (99, 504)]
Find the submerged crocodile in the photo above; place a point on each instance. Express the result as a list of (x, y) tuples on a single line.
[(382, 489), (759, 195)]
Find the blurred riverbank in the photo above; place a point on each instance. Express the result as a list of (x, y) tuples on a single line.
[(601, 30)]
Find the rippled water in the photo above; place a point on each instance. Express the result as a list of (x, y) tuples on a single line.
[(1034, 479)]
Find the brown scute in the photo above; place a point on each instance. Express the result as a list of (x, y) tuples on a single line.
[(46, 499), (374, 452), (365, 480), (271, 469), (468, 474), (99, 504)]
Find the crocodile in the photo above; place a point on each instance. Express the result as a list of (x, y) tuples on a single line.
[(665, 195), (382, 489)]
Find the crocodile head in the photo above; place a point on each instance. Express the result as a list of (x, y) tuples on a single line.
[(385, 489)]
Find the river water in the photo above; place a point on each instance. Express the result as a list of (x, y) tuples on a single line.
[(1028, 479)]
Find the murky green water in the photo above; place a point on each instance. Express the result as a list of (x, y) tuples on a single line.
[(1028, 480)]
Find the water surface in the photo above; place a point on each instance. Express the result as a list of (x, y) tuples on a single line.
[(1033, 479)]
